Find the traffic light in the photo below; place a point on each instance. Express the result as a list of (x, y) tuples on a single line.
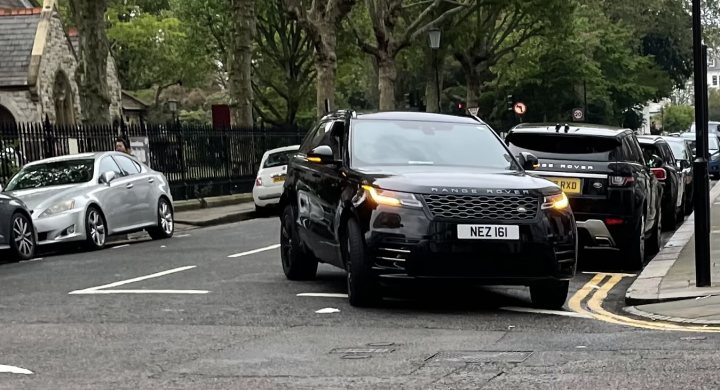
[(510, 102)]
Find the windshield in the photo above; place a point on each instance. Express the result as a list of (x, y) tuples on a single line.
[(53, 174), (562, 147), (279, 159), (415, 143)]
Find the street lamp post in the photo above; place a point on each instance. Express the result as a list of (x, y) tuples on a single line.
[(173, 107), (435, 34), (702, 199)]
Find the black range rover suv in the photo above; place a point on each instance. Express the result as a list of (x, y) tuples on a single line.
[(392, 196), (614, 195)]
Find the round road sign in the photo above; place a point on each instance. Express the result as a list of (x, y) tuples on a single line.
[(520, 108), (578, 114)]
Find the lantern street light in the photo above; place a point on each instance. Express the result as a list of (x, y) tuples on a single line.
[(434, 34)]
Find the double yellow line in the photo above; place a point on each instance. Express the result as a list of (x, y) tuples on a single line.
[(589, 300)]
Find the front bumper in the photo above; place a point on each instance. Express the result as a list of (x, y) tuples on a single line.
[(65, 227), (408, 244)]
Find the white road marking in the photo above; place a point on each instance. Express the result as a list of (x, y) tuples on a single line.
[(14, 370), (121, 246), (543, 311), (254, 251), (328, 310), (104, 288), (182, 235), (323, 295), (88, 292)]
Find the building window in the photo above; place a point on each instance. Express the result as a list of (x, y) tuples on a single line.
[(715, 80)]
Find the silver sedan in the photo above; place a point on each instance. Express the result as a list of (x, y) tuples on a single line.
[(88, 197)]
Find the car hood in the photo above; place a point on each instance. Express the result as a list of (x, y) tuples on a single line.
[(41, 198), (432, 180)]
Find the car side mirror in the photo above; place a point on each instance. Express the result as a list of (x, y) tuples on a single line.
[(107, 177), (323, 154), (528, 161), (657, 161)]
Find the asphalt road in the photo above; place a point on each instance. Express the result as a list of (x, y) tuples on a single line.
[(204, 320)]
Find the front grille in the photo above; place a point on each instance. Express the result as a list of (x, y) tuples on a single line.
[(489, 208)]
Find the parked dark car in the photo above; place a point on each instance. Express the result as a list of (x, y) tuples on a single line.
[(415, 196), (613, 193), (17, 233), (658, 154), (713, 152), (684, 157)]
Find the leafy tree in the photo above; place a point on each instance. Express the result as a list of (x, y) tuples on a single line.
[(714, 104), (395, 25), (677, 118), (321, 20)]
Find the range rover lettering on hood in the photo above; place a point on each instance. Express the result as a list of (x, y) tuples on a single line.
[(475, 191), (581, 167)]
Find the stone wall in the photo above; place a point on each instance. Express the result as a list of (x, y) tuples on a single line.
[(58, 56), (20, 106)]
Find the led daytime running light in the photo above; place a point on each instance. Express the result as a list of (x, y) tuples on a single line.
[(557, 202)]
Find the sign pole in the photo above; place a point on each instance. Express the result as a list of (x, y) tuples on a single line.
[(702, 201)]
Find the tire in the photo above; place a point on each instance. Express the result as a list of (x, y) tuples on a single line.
[(362, 285), (261, 211), (671, 220), (549, 295), (22, 238), (296, 262), (166, 221), (654, 244), (95, 229), (634, 252), (689, 202)]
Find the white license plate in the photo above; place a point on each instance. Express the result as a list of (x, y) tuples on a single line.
[(488, 232)]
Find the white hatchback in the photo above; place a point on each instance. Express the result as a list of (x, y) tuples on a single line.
[(270, 178)]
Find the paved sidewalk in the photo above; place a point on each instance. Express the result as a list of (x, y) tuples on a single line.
[(216, 215), (665, 290)]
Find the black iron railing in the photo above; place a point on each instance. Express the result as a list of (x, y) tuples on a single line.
[(199, 161)]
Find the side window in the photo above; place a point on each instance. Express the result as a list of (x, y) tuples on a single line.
[(127, 165), (313, 138), (333, 138), (107, 164), (633, 150), (670, 158)]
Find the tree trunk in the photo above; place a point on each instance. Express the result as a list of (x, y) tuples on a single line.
[(92, 68), (326, 67), (387, 74), (473, 83), (240, 77)]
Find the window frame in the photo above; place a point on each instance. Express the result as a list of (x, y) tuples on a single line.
[(125, 173)]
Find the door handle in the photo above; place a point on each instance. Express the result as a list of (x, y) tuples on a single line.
[(151, 180), (129, 186)]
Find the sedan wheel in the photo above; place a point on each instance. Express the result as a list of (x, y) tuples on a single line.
[(96, 229), (22, 238), (166, 221)]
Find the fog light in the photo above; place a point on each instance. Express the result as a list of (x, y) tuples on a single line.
[(69, 231)]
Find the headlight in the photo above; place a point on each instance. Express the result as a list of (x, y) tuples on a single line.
[(392, 198), (557, 202), (59, 208)]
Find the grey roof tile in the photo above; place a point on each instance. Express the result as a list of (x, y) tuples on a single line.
[(16, 48)]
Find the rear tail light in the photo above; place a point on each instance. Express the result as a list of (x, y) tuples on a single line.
[(659, 173), (258, 182), (614, 221), (620, 181)]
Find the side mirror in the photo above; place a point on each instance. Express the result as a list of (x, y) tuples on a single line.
[(528, 161), (107, 177), (323, 154)]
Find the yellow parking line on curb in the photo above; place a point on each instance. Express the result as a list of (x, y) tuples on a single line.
[(597, 294)]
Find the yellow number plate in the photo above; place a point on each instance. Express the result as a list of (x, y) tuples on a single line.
[(569, 186), (278, 179)]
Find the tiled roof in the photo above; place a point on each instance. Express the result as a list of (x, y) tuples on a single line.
[(17, 35), (17, 4)]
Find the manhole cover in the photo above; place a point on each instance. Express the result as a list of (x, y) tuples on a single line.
[(480, 357), (362, 350)]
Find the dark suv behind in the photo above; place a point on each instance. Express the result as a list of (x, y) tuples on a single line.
[(613, 193), (415, 196)]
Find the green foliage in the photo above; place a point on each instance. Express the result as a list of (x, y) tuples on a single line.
[(677, 118), (714, 104)]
